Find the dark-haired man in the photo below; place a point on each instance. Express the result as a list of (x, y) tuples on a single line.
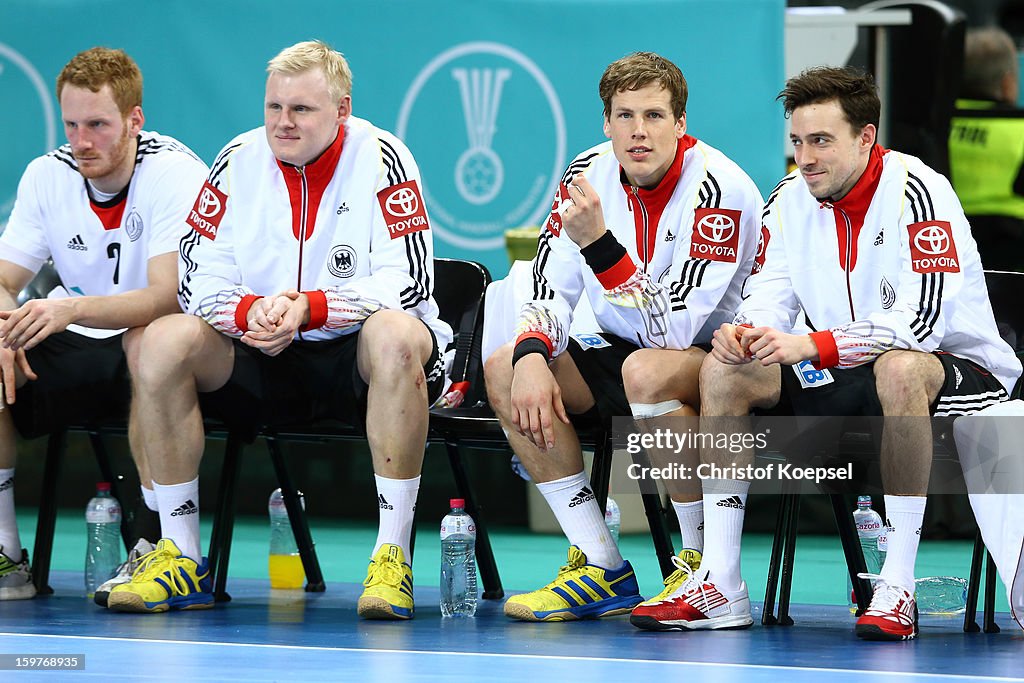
[(872, 247)]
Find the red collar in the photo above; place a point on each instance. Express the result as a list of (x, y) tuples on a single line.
[(858, 199), (318, 175), (647, 204), (660, 193)]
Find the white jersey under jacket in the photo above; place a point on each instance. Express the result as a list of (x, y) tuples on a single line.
[(349, 229), (670, 271), (892, 265)]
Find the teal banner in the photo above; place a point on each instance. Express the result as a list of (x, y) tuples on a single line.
[(493, 97)]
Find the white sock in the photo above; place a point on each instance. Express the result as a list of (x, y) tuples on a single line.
[(572, 500), (149, 498), (396, 499), (9, 538), (725, 501), (691, 524), (179, 515), (903, 517)]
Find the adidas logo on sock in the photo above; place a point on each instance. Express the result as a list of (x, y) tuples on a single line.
[(7, 484), (731, 502), (186, 508), (384, 504), (77, 243), (582, 497)]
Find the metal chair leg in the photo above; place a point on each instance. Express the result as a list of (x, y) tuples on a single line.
[(973, 584), (46, 523), (851, 549), (224, 520)]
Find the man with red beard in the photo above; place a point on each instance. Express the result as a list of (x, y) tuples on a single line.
[(108, 209)]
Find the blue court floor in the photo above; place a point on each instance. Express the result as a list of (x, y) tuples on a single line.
[(264, 635)]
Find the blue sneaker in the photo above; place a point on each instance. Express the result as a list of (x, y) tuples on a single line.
[(580, 591), (164, 580)]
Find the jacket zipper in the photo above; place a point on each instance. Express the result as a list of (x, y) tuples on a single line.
[(303, 209), (846, 264), (644, 256)]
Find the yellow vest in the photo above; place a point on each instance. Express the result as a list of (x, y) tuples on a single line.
[(986, 155)]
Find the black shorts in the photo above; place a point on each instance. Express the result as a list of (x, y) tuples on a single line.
[(599, 358), (806, 391), (81, 380), (308, 381)]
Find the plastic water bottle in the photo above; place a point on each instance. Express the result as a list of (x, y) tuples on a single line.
[(103, 551), (873, 542), (613, 518), (458, 562), (284, 563), (941, 595)]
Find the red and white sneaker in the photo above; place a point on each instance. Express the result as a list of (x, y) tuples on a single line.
[(892, 614), (697, 605)]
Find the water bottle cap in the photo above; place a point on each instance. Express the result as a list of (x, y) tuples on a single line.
[(457, 502), (864, 501), (103, 486)]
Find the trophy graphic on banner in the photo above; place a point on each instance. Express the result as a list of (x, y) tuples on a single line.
[(479, 173)]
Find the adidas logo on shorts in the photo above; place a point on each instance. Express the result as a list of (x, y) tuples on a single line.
[(383, 503), (187, 508), (582, 497), (731, 502), (77, 243)]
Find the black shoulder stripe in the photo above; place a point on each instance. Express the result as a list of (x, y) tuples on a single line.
[(221, 162), (928, 208), (396, 171), (577, 165)]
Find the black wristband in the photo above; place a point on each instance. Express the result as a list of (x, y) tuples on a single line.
[(528, 346), (603, 253)]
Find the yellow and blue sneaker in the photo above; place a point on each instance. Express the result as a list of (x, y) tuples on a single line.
[(580, 591), (163, 580), (388, 586)]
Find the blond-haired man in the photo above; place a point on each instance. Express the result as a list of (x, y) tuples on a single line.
[(306, 281)]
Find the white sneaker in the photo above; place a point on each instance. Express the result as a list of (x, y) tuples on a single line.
[(15, 578), (123, 574), (697, 605)]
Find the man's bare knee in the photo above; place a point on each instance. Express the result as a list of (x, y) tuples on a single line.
[(902, 376), (393, 340), (498, 377), (736, 389), (179, 346)]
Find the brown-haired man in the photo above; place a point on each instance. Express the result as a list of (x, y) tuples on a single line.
[(108, 209), (657, 230), (872, 247)]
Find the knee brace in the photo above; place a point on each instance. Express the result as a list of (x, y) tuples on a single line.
[(643, 411)]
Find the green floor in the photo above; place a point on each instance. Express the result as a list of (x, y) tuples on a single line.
[(526, 560)]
